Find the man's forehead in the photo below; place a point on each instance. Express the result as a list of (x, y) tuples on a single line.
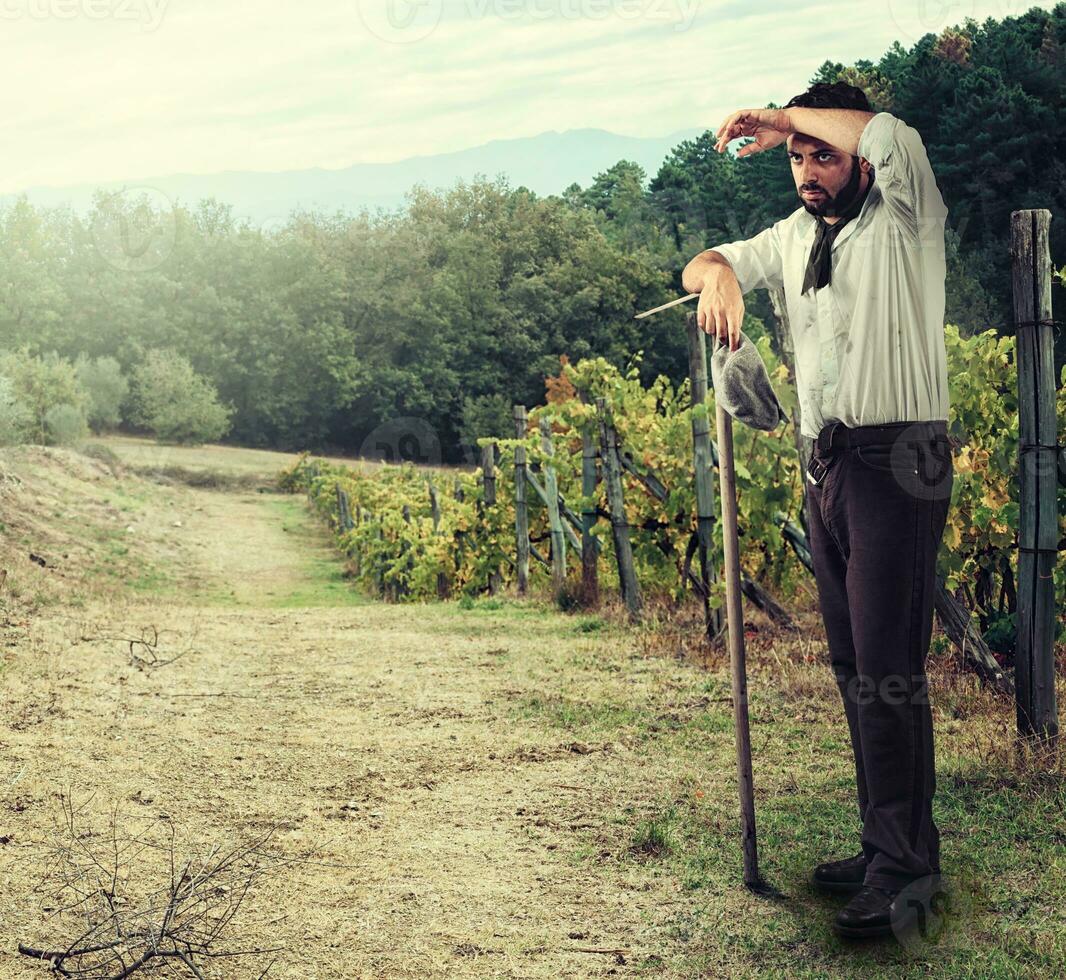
[(798, 143)]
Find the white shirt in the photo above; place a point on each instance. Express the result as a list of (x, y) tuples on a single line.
[(870, 345)]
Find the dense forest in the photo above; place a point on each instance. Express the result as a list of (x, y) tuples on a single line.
[(459, 304)]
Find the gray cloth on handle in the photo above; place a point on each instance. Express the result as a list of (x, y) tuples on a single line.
[(742, 386)]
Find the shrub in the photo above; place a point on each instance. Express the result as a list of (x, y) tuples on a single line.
[(106, 389), (65, 425), (175, 403), (14, 419), (41, 383)]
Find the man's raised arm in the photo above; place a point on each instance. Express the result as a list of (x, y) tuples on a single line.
[(841, 128)]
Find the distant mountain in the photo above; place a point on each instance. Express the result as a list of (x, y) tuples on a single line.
[(546, 164)]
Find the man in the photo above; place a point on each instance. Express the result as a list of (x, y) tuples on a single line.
[(862, 268)]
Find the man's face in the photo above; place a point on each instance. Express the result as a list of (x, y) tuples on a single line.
[(836, 177)]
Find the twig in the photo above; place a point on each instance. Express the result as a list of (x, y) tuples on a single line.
[(175, 926)]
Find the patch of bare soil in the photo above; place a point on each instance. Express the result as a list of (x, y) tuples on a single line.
[(442, 826)]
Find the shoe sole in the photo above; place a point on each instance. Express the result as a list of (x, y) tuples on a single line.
[(862, 932), (837, 887), (872, 932)]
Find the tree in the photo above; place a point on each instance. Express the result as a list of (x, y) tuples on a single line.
[(107, 389), (14, 419), (40, 384), (172, 401)]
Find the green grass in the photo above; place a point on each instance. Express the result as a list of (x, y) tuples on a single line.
[(309, 572), (1003, 837)]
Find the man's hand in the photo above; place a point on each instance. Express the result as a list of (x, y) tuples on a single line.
[(720, 310), (770, 127), (721, 307)]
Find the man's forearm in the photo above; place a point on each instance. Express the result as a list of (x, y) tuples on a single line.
[(694, 275), (837, 127)]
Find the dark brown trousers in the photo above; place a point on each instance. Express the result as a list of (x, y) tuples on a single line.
[(877, 514)]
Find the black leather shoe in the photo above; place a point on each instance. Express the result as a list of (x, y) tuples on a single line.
[(841, 876), (869, 913)]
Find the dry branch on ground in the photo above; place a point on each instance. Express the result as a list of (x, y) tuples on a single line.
[(120, 903)]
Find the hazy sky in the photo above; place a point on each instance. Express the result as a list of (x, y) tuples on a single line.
[(115, 89)]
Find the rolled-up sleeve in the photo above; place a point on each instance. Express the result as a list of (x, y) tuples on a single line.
[(902, 172), (756, 262)]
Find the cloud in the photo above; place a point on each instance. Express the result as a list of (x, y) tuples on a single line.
[(270, 85)]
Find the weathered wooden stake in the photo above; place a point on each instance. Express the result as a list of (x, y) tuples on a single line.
[(786, 348), (704, 470), (488, 479), (521, 517), (403, 588), (357, 558), (612, 475), (735, 610), (379, 571), (344, 513), (590, 584), (1038, 449), (434, 510), (551, 499)]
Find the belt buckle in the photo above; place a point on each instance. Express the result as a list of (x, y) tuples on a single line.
[(819, 467)]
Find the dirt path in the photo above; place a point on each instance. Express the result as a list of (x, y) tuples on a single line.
[(452, 823)]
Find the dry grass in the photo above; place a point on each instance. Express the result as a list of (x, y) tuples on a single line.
[(498, 790), (220, 463)]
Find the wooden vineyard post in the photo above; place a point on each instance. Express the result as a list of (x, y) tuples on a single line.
[(804, 444), (460, 536), (357, 559), (590, 585), (488, 479), (403, 588), (344, 514), (555, 521), (612, 475), (704, 472), (1038, 449), (521, 516), (434, 510), (735, 610), (379, 572)]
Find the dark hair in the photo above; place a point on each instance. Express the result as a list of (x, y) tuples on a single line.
[(837, 95)]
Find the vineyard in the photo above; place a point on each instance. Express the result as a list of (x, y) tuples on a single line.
[(410, 534)]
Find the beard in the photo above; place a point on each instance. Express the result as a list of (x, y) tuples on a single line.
[(829, 206)]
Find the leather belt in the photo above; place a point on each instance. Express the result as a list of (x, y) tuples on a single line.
[(836, 437)]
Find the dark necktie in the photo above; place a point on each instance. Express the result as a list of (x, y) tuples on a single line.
[(819, 262)]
